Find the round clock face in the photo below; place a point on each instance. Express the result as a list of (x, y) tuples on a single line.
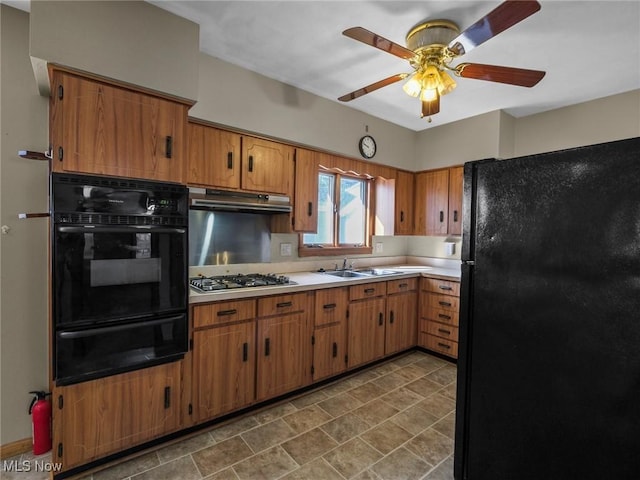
[(367, 146)]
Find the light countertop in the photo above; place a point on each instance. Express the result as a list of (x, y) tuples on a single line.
[(304, 281)]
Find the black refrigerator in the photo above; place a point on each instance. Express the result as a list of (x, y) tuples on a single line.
[(549, 363)]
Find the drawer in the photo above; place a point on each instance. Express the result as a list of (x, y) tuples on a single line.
[(441, 330), (442, 302), (440, 286), (223, 312), (440, 315), (367, 290), (279, 304), (440, 345), (331, 305), (404, 285)]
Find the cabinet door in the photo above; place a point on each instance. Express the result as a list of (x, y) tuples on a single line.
[(402, 322), (456, 176), (267, 166), (366, 331), (213, 157), (102, 129), (432, 202), (224, 368), (404, 203), (99, 417), (305, 214), (281, 354), (329, 350)]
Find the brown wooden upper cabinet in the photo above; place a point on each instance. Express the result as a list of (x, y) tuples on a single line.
[(100, 128), (228, 160), (305, 212), (438, 208), (404, 203)]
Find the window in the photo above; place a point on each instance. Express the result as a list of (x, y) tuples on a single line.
[(343, 220)]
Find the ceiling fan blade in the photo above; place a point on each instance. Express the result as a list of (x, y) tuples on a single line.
[(365, 36), (374, 86), (495, 73), (498, 20)]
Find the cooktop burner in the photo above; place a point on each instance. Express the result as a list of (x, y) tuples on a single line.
[(210, 284)]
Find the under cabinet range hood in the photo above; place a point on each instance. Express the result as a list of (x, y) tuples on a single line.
[(210, 199)]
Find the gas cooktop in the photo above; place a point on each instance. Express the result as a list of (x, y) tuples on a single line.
[(222, 282)]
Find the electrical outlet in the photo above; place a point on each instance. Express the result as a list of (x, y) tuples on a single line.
[(285, 249), (379, 247)]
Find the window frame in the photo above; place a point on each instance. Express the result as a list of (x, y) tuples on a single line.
[(335, 248)]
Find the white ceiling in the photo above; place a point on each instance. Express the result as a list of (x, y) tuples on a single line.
[(589, 49)]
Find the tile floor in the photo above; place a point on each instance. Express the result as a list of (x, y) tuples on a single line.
[(392, 421)]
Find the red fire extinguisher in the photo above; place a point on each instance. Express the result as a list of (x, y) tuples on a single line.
[(40, 411)]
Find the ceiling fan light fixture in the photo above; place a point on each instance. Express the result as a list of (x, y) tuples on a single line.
[(414, 85), (431, 107), (429, 94), (447, 84)]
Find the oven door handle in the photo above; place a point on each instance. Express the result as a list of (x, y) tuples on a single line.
[(116, 328), (121, 229)]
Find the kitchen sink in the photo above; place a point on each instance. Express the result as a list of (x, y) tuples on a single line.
[(346, 273), (378, 271)]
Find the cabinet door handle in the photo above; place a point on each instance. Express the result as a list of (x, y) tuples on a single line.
[(445, 304), (310, 209), (167, 397), (402, 215), (441, 216), (380, 318), (169, 146), (284, 304), (446, 317), (60, 153), (455, 215), (230, 160), (391, 316), (369, 290), (444, 345), (245, 352), (267, 347), (251, 163), (223, 313), (442, 330), (329, 306), (335, 349), (444, 287)]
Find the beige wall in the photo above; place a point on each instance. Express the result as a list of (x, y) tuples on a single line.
[(130, 41), (230, 96), (23, 251)]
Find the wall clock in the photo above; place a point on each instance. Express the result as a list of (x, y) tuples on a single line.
[(367, 146)]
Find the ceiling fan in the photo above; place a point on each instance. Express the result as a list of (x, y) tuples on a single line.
[(434, 44)]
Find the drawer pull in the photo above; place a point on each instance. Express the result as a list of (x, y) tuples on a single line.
[(284, 304), (267, 347), (403, 285), (445, 304), (380, 319), (442, 330), (335, 349), (444, 345), (223, 313), (245, 352), (446, 317), (444, 287), (369, 290), (329, 306)]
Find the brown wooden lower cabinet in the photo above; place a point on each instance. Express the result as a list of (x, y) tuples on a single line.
[(223, 369), (99, 417), (329, 340), (439, 314), (366, 331)]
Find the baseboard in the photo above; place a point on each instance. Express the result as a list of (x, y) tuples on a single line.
[(15, 448)]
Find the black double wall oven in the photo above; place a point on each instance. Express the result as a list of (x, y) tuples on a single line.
[(119, 275)]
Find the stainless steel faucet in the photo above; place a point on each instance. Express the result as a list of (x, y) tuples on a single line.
[(344, 264)]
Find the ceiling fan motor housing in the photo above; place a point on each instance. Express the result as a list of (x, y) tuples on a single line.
[(432, 37)]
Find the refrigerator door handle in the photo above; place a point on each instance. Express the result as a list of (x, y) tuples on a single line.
[(468, 262)]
